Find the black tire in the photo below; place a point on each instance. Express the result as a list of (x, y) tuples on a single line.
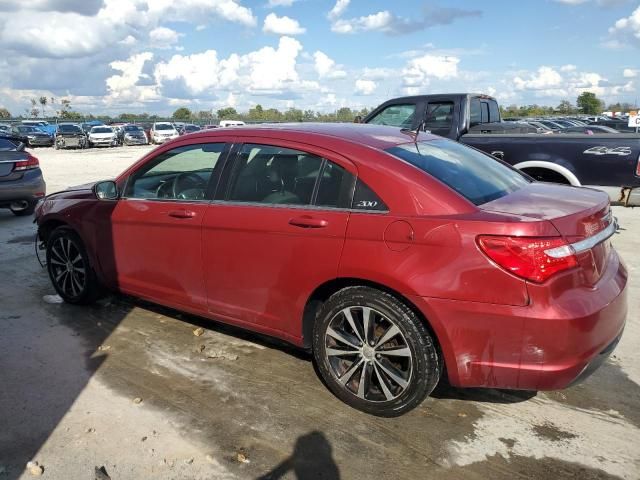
[(24, 211), (391, 400), (64, 244)]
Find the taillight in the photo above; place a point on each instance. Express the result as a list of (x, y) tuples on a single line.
[(638, 167), (532, 258), (29, 164)]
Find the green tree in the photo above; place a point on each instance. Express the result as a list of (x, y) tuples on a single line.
[(257, 113), (205, 115), (5, 114), (565, 107), (183, 113), (227, 113), (588, 103)]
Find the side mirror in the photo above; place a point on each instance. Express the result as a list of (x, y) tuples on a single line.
[(106, 190)]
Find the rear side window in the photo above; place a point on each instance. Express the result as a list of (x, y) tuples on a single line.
[(494, 112), (475, 112), (476, 176), (335, 187), (366, 199), (439, 116), (275, 175), (395, 116)]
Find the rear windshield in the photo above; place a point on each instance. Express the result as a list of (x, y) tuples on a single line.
[(164, 126), (101, 130), (69, 129), (476, 176)]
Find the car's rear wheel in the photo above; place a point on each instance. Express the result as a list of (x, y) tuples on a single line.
[(374, 352), (69, 267), (22, 208)]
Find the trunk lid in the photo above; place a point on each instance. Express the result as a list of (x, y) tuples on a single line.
[(7, 163), (581, 215)]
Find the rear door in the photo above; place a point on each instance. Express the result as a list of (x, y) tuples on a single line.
[(275, 232)]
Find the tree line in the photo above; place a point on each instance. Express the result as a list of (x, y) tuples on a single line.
[(586, 103)]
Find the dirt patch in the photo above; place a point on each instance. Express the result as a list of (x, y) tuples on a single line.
[(549, 431)]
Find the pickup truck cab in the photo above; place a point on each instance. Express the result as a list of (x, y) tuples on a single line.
[(608, 162)]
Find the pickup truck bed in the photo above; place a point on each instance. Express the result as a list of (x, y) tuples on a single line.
[(609, 162)]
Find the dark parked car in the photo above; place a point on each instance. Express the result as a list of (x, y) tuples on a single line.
[(133, 135), (189, 128), (394, 257), (70, 135), (34, 136), (21, 181), (590, 129), (610, 163)]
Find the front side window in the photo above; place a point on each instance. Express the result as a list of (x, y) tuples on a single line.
[(439, 116), (182, 173), (275, 175), (476, 176), (395, 116)]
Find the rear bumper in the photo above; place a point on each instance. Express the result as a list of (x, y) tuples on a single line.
[(30, 187), (550, 344)]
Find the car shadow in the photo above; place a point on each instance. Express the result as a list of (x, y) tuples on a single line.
[(445, 391)]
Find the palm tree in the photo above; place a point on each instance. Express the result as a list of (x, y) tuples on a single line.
[(43, 102)]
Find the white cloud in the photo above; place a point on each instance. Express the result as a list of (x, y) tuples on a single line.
[(338, 9), (626, 31), (375, 21), (326, 67), (544, 79), (365, 87), (568, 68), (630, 73), (163, 37), (123, 88), (273, 69), (282, 25), (280, 3), (377, 73), (420, 70), (391, 24)]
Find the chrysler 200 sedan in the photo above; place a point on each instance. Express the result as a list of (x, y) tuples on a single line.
[(395, 257)]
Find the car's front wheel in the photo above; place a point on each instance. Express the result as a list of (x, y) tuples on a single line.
[(374, 352), (69, 267)]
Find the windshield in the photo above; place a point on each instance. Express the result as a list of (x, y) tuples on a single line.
[(6, 145), (27, 129), (192, 128), (164, 126), (476, 176), (69, 129), (132, 128), (101, 130), (395, 116)]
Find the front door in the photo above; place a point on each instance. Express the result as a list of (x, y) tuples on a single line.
[(157, 225), (274, 235)]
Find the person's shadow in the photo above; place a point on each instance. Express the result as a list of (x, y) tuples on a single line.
[(311, 458)]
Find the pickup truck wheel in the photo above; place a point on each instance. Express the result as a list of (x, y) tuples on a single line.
[(374, 353), (546, 175)]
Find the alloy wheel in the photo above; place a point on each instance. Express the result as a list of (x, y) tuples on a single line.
[(68, 267), (368, 354)]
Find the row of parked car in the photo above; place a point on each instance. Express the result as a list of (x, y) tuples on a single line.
[(39, 133), (586, 125)]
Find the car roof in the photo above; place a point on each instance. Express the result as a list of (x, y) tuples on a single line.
[(376, 136)]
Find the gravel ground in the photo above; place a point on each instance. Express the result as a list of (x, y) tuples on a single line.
[(127, 386)]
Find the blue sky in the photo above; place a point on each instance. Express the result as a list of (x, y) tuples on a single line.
[(109, 56)]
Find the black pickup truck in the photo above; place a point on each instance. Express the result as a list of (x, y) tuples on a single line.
[(609, 162)]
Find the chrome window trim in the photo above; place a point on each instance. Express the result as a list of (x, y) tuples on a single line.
[(164, 200), (306, 206)]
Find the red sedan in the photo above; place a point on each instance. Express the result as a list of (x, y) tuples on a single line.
[(393, 256)]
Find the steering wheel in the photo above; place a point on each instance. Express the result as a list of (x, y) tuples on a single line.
[(195, 180)]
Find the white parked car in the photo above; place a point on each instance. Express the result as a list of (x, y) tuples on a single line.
[(163, 131), (104, 136), (231, 123)]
